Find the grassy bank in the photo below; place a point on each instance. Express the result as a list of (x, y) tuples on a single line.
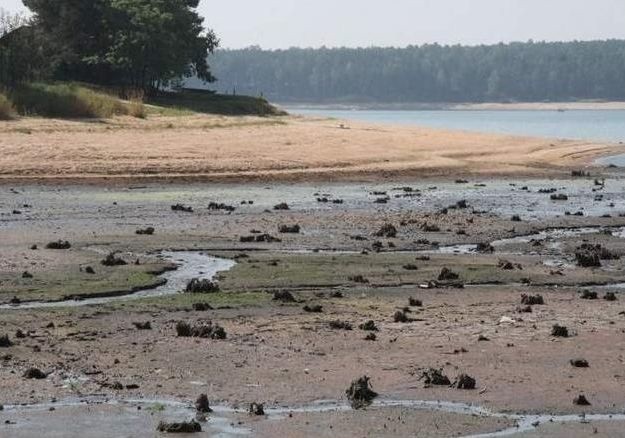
[(75, 101)]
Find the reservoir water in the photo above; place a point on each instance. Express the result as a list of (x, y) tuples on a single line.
[(591, 125)]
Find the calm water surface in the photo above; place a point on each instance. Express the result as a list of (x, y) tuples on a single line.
[(594, 125)]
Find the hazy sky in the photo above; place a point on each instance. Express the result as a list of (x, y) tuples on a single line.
[(313, 23)]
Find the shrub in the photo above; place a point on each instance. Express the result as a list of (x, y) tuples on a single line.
[(66, 101), (7, 112)]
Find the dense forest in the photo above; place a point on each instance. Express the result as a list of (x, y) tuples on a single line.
[(532, 71)]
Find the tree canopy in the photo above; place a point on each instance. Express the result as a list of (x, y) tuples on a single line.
[(139, 43), (532, 71)]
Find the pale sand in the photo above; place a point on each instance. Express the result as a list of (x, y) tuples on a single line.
[(290, 148)]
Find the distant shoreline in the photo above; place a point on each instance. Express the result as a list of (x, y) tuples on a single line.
[(485, 106)]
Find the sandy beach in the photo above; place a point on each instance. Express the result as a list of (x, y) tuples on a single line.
[(209, 148)]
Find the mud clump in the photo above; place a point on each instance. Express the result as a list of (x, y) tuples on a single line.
[(413, 302), (388, 231), (183, 427), (281, 207), (202, 405), (289, 229), (368, 326), (579, 363), (515, 218), (112, 260), (59, 244), (410, 267), (340, 325), (313, 309), (182, 208), (34, 373), (434, 377), (589, 295), (197, 286), (261, 238), (430, 228), (464, 381), (89, 270), (401, 316), (205, 331), (143, 325), (485, 247), (202, 307), (360, 393), (371, 337), (284, 297), (581, 400), (532, 300), (5, 342), (257, 409), (559, 197), (559, 331), (610, 296), (214, 206), (149, 231), (590, 256), (447, 275), (27, 275)]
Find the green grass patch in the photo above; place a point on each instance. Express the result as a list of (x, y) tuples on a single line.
[(65, 100), (206, 102), (186, 301), (64, 281)]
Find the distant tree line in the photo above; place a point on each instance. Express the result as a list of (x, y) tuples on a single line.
[(532, 71), (143, 44)]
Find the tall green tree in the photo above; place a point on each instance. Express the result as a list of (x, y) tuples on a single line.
[(138, 43)]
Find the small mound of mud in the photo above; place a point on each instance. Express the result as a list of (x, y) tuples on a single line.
[(5, 342), (413, 302), (579, 363), (430, 228), (401, 316), (340, 325), (145, 231), (202, 405), (59, 244), (182, 208), (316, 308), (214, 206), (464, 381), (89, 270), (27, 275), (198, 286), (485, 247), (112, 260), (507, 265), (284, 297), (410, 267), (388, 230), (589, 295), (559, 197), (368, 326), (433, 376), (202, 307), (360, 393), (205, 331), (371, 337), (289, 229), (581, 400), (143, 325), (447, 275), (183, 427), (610, 296), (257, 409), (532, 300), (282, 206), (260, 238), (590, 256), (34, 373), (559, 331)]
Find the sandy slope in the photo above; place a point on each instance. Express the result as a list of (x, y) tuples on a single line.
[(208, 147)]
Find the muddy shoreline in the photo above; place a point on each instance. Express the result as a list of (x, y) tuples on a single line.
[(379, 250)]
